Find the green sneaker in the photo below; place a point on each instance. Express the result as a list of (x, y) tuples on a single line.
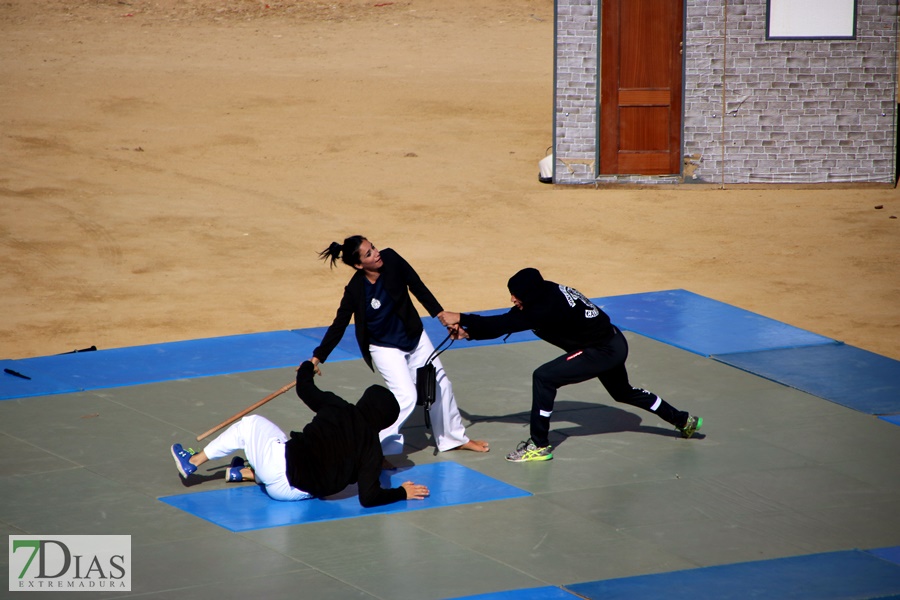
[(691, 427), (526, 451)]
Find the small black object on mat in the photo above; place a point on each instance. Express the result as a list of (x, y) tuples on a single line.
[(16, 373), (91, 349)]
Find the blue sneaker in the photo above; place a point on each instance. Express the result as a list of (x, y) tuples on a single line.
[(183, 460), (233, 473)]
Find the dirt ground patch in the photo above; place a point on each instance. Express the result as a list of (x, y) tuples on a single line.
[(171, 168)]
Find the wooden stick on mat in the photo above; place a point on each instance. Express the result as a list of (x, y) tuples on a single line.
[(249, 409)]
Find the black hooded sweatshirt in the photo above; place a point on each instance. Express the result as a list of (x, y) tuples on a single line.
[(556, 313), (340, 446)]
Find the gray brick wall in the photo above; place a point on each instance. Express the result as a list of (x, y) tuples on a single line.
[(755, 110), (576, 90)]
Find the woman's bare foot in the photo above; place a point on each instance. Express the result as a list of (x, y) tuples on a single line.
[(475, 446)]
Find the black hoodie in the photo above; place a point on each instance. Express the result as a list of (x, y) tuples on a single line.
[(556, 313), (340, 446)]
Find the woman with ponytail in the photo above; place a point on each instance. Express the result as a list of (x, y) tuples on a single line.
[(391, 337)]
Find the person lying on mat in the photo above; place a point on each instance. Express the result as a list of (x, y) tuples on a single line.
[(594, 347), (339, 447)]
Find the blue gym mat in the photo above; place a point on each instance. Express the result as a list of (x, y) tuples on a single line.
[(66, 373), (676, 317), (347, 349), (682, 319), (891, 554), (843, 374), (541, 593), (437, 332), (833, 575), (246, 507), (701, 325)]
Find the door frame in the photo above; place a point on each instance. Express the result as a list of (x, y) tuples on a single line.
[(609, 9)]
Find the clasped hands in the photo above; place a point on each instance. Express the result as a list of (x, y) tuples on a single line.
[(450, 320)]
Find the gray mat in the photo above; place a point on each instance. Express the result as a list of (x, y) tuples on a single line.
[(776, 473)]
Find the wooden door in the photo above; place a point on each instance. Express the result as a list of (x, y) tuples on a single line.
[(640, 87)]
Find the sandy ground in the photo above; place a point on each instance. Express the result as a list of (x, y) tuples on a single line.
[(169, 169)]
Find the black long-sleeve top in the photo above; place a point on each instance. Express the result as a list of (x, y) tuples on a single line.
[(555, 313), (399, 279), (340, 446)]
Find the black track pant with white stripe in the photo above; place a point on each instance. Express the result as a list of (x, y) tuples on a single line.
[(606, 363)]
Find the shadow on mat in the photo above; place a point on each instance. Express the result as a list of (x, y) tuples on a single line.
[(583, 419), (196, 478), (570, 418)]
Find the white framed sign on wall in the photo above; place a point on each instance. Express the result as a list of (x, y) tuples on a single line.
[(810, 19)]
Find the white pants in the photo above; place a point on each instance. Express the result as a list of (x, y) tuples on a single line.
[(263, 443), (398, 369)]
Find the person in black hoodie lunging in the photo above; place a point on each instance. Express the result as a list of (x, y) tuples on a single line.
[(594, 348), (339, 447)]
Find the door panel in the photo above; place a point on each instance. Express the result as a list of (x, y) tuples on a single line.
[(647, 163), (643, 129), (640, 87)]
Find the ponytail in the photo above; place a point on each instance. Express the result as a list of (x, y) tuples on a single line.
[(348, 252), (331, 253)]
